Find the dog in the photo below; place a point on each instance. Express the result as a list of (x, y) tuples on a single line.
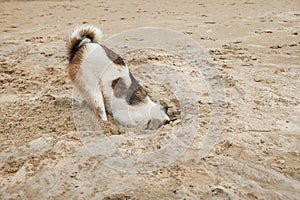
[(106, 83)]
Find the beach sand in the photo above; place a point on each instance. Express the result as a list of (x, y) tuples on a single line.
[(254, 45)]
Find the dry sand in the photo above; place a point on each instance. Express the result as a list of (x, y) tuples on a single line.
[(255, 45)]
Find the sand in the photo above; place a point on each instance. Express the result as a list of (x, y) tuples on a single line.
[(53, 148)]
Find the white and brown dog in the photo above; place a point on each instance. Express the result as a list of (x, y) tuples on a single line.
[(104, 80)]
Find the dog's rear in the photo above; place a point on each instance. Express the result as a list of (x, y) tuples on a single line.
[(106, 83), (81, 45)]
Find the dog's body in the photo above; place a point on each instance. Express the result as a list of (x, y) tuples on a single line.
[(106, 83)]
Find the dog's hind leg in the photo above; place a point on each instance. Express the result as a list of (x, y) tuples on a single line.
[(92, 93)]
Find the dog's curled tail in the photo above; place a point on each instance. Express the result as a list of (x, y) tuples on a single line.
[(82, 35)]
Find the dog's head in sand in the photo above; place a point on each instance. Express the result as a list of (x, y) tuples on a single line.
[(106, 83)]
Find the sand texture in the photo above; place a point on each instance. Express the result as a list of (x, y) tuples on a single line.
[(47, 135)]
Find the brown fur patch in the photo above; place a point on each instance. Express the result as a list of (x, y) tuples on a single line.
[(75, 63), (98, 111), (138, 97), (88, 33), (115, 58), (119, 87), (134, 94), (73, 43)]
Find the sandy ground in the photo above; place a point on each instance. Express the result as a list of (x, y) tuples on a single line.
[(255, 45)]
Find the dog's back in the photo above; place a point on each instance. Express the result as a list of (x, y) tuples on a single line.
[(105, 81)]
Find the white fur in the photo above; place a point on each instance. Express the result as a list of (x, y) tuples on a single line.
[(97, 69), (77, 32)]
